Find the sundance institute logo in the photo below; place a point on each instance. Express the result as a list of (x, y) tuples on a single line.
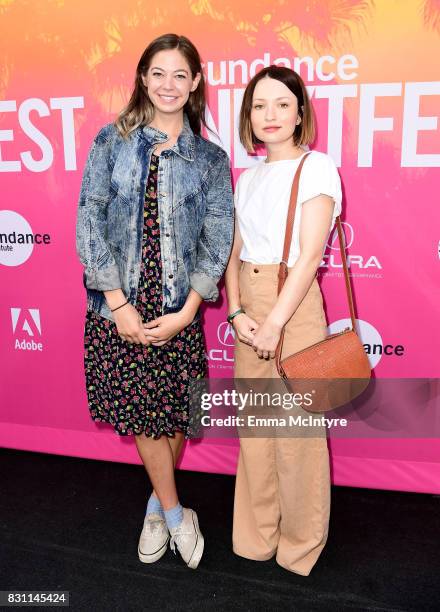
[(17, 239), (371, 339)]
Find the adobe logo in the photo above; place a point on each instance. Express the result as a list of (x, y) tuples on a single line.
[(26, 327)]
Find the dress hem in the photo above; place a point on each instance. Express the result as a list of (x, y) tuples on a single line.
[(131, 432)]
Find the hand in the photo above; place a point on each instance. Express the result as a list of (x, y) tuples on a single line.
[(162, 329), (244, 327), (129, 325), (266, 339)]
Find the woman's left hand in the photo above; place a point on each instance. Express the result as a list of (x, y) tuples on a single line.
[(162, 329), (266, 339)]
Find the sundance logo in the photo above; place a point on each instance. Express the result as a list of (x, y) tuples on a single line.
[(26, 326), (371, 339), (17, 239)]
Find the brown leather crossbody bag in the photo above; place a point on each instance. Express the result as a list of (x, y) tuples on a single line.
[(334, 370)]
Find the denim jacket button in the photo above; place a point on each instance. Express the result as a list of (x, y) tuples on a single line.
[(167, 235), (170, 275)]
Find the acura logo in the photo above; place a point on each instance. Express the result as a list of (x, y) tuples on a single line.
[(226, 334), (348, 232)]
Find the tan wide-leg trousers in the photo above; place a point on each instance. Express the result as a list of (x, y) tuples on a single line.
[(282, 492)]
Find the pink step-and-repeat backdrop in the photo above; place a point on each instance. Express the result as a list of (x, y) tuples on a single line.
[(372, 72)]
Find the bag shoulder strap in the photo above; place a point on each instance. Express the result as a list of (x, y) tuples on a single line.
[(283, 270)]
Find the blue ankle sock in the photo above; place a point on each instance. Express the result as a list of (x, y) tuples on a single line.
[(154, 506), (174, 516)]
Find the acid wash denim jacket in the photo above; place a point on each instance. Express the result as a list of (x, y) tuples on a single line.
[(196, 216)]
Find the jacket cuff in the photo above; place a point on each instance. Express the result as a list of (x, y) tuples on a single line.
[(205, 286), (105, 279)]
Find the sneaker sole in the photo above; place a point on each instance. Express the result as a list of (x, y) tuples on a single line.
[(151, 558), (200, 545)]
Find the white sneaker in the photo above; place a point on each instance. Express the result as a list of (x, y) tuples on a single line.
[(154, 538), (188, 539)]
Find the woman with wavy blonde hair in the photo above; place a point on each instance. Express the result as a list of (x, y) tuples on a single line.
[(154, 232)]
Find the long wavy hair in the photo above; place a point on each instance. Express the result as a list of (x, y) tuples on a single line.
[(140, 110)]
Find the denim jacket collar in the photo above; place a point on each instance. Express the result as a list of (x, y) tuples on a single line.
[(185, 142)]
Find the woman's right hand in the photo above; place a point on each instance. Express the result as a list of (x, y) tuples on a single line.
[(244, 328), (129, 325)]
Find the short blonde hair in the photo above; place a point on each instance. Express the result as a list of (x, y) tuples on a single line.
[(304, 133)]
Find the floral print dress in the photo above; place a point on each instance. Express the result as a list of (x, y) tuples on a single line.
[(136, 388)]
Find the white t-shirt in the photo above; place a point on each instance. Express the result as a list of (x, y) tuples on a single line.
[(262, 198)]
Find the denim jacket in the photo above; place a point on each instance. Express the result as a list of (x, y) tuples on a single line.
[(196, 215)]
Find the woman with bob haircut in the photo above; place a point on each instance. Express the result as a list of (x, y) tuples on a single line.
[(154, 233), (282, 494)]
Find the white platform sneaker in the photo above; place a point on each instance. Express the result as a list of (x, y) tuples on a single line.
[(188, 539), (154, 539)]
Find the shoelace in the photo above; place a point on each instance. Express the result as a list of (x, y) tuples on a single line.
[(174, 538), (173, 544)]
